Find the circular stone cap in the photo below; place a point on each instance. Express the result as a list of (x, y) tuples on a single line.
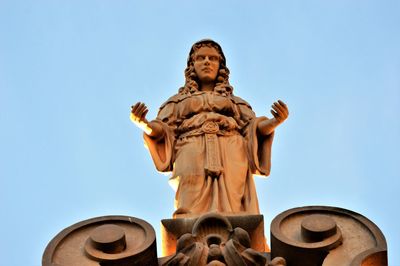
[(108, 238), (317, 227)]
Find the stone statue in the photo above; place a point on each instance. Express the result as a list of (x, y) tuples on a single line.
[(213, 143), (210, 139)]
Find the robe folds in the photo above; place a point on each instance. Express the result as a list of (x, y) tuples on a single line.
[(211, 145)]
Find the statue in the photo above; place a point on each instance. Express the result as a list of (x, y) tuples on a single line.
[(210, 139), (213, 143)]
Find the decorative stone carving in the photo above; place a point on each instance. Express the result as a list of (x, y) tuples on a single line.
[(306, 236), (106, 241), (213, 241), (327, 236), (173, 229)]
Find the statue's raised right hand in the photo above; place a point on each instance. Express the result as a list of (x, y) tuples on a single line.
[(138, 117)]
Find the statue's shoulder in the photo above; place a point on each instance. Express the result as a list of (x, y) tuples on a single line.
[(238, 100), (174, 99)]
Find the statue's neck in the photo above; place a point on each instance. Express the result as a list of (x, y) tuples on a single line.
[(209, 86)]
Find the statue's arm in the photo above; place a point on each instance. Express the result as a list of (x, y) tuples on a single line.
[(158, 134), (138, 117), (280, 112), (260, 133)]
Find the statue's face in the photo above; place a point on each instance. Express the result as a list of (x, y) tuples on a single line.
[(206, 64)]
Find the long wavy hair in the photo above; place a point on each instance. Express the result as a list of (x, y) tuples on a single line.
[(222, 85)]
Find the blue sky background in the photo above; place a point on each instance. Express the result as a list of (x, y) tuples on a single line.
[(70, 70)]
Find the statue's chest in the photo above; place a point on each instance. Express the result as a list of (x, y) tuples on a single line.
[(205, 102)]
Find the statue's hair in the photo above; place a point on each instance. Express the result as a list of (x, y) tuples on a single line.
[(222, 85)]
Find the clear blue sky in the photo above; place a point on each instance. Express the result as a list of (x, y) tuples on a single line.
[(70, 70)]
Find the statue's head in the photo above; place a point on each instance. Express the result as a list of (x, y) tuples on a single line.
[(193, 75)]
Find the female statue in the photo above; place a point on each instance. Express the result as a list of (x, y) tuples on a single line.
[(210, 139)]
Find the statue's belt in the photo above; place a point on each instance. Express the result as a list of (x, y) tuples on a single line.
[(208, 127), (211, 131)]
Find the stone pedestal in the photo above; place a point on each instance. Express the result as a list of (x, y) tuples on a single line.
[(306, 236), (173, 229)]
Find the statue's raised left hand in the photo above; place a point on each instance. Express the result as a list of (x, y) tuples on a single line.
[(280, 112)]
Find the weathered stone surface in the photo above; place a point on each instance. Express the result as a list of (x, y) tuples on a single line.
[(327, 236), (214, 241), (107, 241), (306, 236), (173, 229)]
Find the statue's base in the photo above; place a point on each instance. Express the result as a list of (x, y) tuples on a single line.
[(173, 229), (306, 236)]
